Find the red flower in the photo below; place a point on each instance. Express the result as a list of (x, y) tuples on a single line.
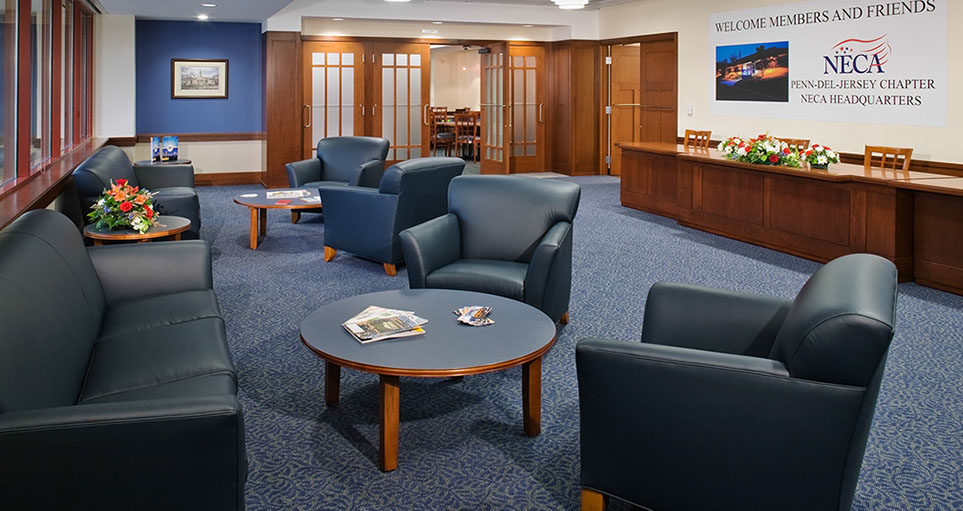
[(126, 206), (148, 212), (827, 148), (122, 182), (809, 152), (774, 158), (787, 150)]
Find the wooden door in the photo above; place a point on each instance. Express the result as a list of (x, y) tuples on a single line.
[(658, 79), (624, 101), (402, 89), (527, 108), (496, 132), (333, 75)]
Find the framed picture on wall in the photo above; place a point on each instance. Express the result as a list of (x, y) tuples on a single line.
[(193, 78)]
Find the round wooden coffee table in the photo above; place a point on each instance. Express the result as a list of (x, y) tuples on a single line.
[(259, 203), (520, 335), (168, 226)]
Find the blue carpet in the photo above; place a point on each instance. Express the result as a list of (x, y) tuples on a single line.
[(461, 444)]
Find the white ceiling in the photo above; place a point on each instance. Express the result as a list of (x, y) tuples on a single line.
[(260, 10)]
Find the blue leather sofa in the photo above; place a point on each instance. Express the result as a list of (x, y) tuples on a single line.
[(366, 222), (737, 401), (505, 235), (171, 185), (117, 389)]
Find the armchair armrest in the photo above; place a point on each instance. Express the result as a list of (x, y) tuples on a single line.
[(145, 269), (304, 171), (548, 283), (158, 454), (430, 246), (164, 176), (712, 319), (693, 415), (359, 220), (369, 176)]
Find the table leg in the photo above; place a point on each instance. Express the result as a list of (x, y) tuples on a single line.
[(295, 216), (389, 397), (98, 243), (254, 222), (532, 396), (263, 221), (332, 383), (177, 237)]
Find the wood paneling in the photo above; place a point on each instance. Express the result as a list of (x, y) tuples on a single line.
[(731, 194), (659, 88), (810, 209), (938, 241), (282, 97), (575, 91)]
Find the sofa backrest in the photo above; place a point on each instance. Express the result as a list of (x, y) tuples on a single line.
[(840, 325), (53, 305), (421, 185), (96, 172), (504, 217), (342, 157)]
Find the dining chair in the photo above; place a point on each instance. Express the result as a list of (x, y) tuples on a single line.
[(893, 158), (441, 134), (799, 144), (699, 139), (466, 133)]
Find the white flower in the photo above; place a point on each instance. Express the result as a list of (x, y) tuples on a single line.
[(831, 154), (817, 147), (100, 203), (742, 151), (822, 160)]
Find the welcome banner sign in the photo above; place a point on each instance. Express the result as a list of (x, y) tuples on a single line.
[(881, 63)]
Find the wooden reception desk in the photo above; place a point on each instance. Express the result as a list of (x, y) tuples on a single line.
[(914, 219)]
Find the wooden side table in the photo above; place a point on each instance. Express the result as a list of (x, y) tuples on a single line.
[(259, 203), (169, 226)]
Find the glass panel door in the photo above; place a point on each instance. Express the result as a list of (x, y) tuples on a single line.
[(496, 132), (527, 108), (333, 92), (401, 97)]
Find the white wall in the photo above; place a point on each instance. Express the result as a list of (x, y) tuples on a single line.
[(452, 86), (213, 157), (691, 20), (569, 24), (115, 77)]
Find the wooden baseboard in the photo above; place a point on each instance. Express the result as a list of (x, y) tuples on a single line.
[(122, 141), (227, 178)]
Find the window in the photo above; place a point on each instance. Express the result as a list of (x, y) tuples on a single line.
[(8, 90), (40, 58), (66, 76)]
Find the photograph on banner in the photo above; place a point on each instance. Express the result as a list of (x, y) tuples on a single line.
[(850, 62), (753, 72)]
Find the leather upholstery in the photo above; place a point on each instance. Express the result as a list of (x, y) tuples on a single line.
[(496, 225), (706, 420), (117, 389), (366, 222), (171, 185), (355, 161)]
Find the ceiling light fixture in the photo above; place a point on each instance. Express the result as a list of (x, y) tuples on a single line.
[(570, 4), (437, 22), (528, 26), (202, 17), (337, 19), (208, 5), (397, 0)]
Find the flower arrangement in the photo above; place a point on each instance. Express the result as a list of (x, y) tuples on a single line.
[(820, 156), (124, 206), (764, 150)]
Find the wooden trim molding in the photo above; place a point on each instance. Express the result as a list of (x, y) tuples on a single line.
[(122, 141), (204, 137), (227, 178), (43, 187)]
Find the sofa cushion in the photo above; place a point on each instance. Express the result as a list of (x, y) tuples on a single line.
[(157, 356), (129, 316), (502, 278), (178, 201), (214, 385)]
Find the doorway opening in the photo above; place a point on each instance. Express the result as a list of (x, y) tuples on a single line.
[(454, 113)]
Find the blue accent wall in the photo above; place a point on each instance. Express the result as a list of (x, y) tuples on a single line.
[(160, 41)]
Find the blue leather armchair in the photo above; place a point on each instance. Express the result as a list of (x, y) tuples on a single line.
[(737, 401), (366, 222), (505, 235), (172, 185), (117, 389)]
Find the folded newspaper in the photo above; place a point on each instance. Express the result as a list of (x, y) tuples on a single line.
[(377, 323), (288, 194), (475, 315)]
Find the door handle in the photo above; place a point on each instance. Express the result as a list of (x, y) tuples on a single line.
[(425, 114), (626, 104), (541, 118), (306, 124)]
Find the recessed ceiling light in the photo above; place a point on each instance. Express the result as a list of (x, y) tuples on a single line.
[(437, 22), (208, 5), (528, 26), (337, 19), (397, 0), (202, 17)]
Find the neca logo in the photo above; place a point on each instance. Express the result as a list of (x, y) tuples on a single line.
[(858, 56)]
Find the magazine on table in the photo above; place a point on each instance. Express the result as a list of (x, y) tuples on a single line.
[(475, 315), (288, 194), (377, 323)]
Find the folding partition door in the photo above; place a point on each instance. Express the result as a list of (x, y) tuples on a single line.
[(402, 88), (496, 132), (527, 108), (624, 98), (333, 92)]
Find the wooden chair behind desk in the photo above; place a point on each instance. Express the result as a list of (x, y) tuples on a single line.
[(698, 139), (799, 144), (892, 158), (441, 134), (466, 133)]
